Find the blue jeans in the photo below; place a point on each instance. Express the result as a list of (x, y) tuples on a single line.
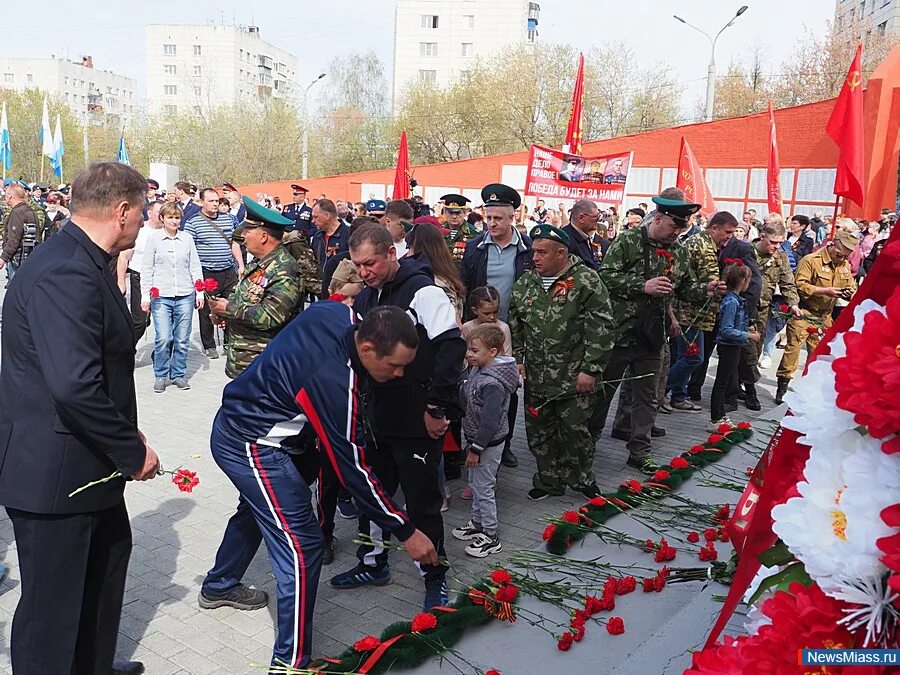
[(172, 323), (773, 327), (683, 365)]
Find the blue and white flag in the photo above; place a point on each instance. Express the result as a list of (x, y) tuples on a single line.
[(56, 160), (122, 157), (48, 149), (5, 147)]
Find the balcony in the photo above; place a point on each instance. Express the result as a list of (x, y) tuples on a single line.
[(265, 62)]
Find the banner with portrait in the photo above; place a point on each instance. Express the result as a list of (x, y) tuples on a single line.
[(559, 174)]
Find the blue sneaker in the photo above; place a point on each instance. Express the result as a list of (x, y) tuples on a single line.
[(435, 593), (362, 575), (346, 509)]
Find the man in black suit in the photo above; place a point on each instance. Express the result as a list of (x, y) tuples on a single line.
[(68, 416)]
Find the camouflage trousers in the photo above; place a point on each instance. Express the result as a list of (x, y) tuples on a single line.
[(559, 439)]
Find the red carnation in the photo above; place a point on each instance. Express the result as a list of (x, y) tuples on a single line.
[(867, 379), (696, 449), (580, 617), (660, 579), (565, 642), (492, 671), (693, 537), (783, 308), (337, 297), (476, 596), (723, 535), (615, 625), (607, 602), (610, 586), (185, 480), (210, 285), (661, 474), (692, 349), (709, 553), (715, 438), (648, 585), (812, 330), (722, 513), (368, 643), (625, 585), (744, 425), (549, 531), (532, 411), (891, 446), (199, 286), (154, 293), (710, 534), (680, 462), (423, 621), (592, 604), (665, 553), (649, 545), (633, 485), (724, 428), (579, 632), (501, 577), (506, 593), (598, 502), (571, 517)]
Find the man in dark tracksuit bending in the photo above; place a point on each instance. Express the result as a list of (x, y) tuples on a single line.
[(409, 415), (308, 377)]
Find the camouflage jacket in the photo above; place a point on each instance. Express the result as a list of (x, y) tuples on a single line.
[(297, 244), (622, 270), (702, 254), (775, 271), (561, 332), (266, 298)]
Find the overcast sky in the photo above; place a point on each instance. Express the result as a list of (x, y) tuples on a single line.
[(316, 32)]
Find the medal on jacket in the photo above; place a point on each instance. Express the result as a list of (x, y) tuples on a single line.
[(561, 289)]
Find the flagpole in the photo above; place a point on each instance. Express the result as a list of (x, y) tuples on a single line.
[(837, 200)]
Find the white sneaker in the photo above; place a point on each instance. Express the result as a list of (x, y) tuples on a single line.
[(483, 546), (467, 532), (714, 424), (765, 362)]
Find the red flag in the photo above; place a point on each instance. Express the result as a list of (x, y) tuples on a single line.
[(773, 174), (690, 179), (401, 175), (573, 133), (845, 126)]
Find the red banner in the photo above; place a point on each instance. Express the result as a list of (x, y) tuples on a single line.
[(573, 133), (845, 126), (773, 172), (690, 179), (401, 174), (558, 174)]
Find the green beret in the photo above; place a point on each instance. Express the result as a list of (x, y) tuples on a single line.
[(259, 216), (677, 209), (545, 231), (498, 194)]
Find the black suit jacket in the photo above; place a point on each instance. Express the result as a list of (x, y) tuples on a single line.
[(737, 248), (68, 413)]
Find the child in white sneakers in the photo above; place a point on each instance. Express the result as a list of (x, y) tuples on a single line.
[(491, 381)]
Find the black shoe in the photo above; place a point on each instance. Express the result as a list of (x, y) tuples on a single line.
[(435, 593), (694, 396), (620, 435), (509, 459), (241, 597), (127, 668), (328, 552), (657, 432), (646, 466), (751, 400), (346, 509), (590, 491), (362, 575), (783, 383), (536, 494), (731, 406), (742, 395)]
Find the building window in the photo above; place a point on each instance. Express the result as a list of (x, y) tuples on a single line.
[(196, 91), (862, 9), (469, 21), (30, 78), (198, 50), (468, 49), (8, 77), (170, 70), (428, 76), (67, 81), (429, 21), (171, 109), (428, 49), (169, 50), (170, 90), (197, 71), (882, 28)]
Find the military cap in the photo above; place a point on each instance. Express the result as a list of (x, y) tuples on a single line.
[(229, 187), (454, 202), (678, 210), (845, 239), (498, 194), (259, 216), (551, 232), (298, 188), (346, 273), (152, 184), (376, 206)]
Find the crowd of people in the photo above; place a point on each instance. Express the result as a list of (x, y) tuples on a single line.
[(377, 346)]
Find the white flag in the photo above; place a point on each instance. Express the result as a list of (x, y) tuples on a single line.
[(48, 148)]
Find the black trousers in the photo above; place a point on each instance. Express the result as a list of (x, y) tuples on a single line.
[(411, 464), (138, 316), (227, 281), (73, 571), (726, 379)]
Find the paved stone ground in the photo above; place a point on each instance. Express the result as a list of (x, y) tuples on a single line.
[(176, 536)]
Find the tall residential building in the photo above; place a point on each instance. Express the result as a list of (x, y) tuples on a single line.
[(856, 20), (196, 68), (437, 40), (95, 96)]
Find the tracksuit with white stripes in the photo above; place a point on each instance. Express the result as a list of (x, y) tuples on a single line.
[(307, 377)]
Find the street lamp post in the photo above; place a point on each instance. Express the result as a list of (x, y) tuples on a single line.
[(306, 127), (711, 71)]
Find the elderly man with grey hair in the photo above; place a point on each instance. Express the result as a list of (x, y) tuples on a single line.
[(21, 229), (583, 220)]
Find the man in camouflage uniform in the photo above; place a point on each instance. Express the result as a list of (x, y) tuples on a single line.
[(268, 295), (562, 333), (632, 291), (460, 230), (297, 244), (702, 250), (822, 277)]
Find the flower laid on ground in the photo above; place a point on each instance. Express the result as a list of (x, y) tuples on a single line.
[(506, 593), (565, 642), (184, 479), (665, 553), (571, 517), (681, 462), (154, 293), (660, 474), (501, 576), (423, 621), (368, 643), (625, 585), (693, 537), (615, 625), (549, 532), (709, 553)]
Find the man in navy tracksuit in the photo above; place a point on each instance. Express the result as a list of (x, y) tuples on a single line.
[(408, 416), (308, 378)]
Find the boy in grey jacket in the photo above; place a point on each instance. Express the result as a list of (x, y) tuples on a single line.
[(491, 382)]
